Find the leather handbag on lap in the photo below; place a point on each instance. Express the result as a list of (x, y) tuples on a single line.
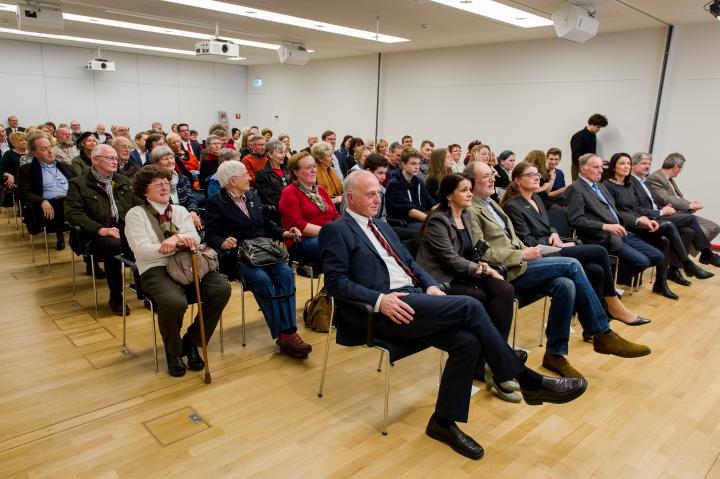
[(262, 252)]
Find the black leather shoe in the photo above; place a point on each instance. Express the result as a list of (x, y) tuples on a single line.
[(116, 308), (708, 257), (195, 362), (99, 273), (176, 367), (691, 269), (521, 354), (455, 438), (661, 288), (60, 245), (555, 390), (676, 276)]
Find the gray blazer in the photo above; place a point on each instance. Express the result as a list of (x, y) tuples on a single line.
[(587, 214), (440, 251), (665, 191)]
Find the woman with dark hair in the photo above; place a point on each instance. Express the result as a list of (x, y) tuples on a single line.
[(345, 147), (468, 156), (440, 167), (181, 192), (648, 229), (272, 179), (506, 163), (81, 164), (145, 227), (350, 161), (532, 225), (446, 253)]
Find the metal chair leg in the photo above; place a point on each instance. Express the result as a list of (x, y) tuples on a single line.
[(72, 262), (542, 323), (32, 247), (242, 311), (382, 355), (387, 392), (222, 336), (155, 352), (47, 248), (516, 308), (92, 270), (327, 348), (312, 282), (124, 302)]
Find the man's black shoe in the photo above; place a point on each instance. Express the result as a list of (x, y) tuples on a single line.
[(176, 367), (708, 257), (195, 362), (555, 390), (661, 288), (60, 245), (521, 354), (691, 269), (676, 276), (99, 273), (455, 438), (117, 309)]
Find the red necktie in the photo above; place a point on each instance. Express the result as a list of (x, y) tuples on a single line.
[(392, 252)]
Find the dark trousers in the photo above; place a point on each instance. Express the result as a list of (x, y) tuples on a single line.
[(460, 326), (596, 264), (496, 295), (686, 221), (678, 241), (172, 300), (55, 225), (105, 249), (636, 256)]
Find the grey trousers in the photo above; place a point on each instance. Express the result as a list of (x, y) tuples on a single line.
[(172, 300)]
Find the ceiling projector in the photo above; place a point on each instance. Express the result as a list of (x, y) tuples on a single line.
[(100, 65), (216, 46)]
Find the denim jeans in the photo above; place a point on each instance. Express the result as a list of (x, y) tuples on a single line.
[(307, 250), (274, 290), (564, 280)]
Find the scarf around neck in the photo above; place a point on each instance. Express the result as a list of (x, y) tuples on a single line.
[(313, 195), (107, 184)]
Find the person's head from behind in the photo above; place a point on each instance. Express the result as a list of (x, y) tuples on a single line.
[(377, 164), (105, 159), (410, 162), (641, 163), (455, 192), (152, 183), (482, 177), (597, 122), (228, 154), (591, 167), (362, 193), (537, 158)]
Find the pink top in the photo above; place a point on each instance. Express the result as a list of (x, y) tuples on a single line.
[(297, 210)]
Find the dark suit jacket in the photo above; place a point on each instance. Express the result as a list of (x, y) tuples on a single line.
[(644, 205), (532, 227), (441, 248), (135, 158), (355, 271), (587, 214), (196, 148)]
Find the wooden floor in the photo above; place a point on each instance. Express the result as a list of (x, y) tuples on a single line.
[(72, 405)]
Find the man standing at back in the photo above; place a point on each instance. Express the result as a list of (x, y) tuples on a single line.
[(363, 260), (585, 141)]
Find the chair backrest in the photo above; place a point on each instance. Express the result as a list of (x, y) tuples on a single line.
[(412, 245), (559, 221)]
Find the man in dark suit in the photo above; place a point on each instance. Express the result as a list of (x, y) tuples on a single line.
[(13, 125), (188, 144), (686, 223), (591, 211), (363, 260), (138, 156)]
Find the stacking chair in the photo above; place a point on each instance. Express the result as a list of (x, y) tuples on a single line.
[(390, 350), (35, 226), (78, 247), (136, 287)]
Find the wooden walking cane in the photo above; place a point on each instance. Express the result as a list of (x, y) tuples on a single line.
[(193, 251)]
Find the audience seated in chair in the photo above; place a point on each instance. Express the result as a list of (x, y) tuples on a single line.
[(652, 230), (327, 178), (209, 159), (446, 252), (306, 206), (592, 212), (181, 192), (13, 158), (226, 154), (665, 191), (43, 185), (272, 179), (97, 202), (185, 163), (236, 214), (559, 277), (123, 146), (439, 167), (365, 261), (407, 197), (532, 225), (256, 159), (156, 230), (85, 144), (65, 150)]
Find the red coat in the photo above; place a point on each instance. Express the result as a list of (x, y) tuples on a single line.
[(297, 210)]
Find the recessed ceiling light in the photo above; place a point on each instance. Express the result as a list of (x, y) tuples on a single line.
[(498, 11), (288, 20), (151, 28), (96, 41)]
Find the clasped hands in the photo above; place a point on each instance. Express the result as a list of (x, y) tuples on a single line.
[(176, 242)]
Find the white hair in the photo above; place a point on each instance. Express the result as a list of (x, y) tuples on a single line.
[(227, 170)]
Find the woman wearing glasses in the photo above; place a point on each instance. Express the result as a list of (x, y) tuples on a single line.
[(532, 225), (143, 227)]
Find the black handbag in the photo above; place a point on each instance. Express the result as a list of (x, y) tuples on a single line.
[(262, 252)]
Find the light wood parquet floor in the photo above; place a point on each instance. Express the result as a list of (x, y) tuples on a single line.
[(73, 406)]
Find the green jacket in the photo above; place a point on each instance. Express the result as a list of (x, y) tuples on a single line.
[(88, 206)]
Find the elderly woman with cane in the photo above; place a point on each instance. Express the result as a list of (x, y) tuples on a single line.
[(143, 227)]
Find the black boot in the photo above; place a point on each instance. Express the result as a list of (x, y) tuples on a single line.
[(176, 367), (195, 362), (691, 269), (661, 287)]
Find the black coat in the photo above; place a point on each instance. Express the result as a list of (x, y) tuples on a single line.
[(532, 227)]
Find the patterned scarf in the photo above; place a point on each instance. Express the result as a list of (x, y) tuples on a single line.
[(313, 196), (107, 184), (167, 227)]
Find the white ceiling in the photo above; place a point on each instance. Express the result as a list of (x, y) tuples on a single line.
[(428, 25)]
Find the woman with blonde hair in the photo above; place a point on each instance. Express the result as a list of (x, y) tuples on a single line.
[(326, 177)]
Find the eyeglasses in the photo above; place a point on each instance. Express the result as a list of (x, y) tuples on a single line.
[(109, 158), (532, 175), (160, 184), (310, 167)]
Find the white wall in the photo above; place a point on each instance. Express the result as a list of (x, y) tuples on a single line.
[(689, 113), (48, 82)]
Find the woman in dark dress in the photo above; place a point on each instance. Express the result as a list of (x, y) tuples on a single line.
[(532, 225)]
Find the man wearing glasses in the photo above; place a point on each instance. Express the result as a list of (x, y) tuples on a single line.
[(97, 203)]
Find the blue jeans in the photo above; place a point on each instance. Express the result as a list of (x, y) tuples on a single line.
[(274, 290), (564, 280), (308, 251)]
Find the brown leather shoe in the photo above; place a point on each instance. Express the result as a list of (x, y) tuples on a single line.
[(613, 343), (559, 364), (293, 345)]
